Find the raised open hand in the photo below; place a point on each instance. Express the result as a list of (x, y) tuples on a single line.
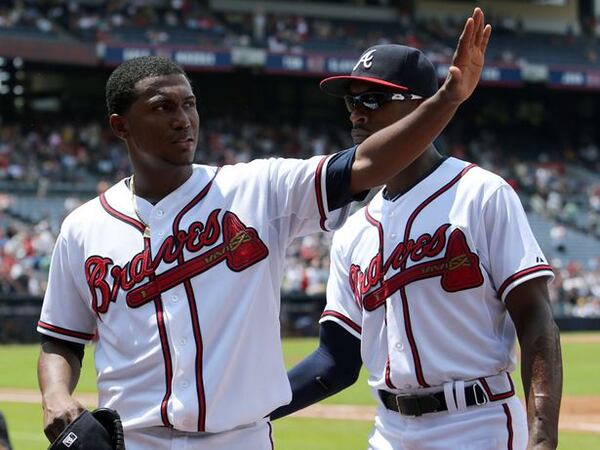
[(468, 59)]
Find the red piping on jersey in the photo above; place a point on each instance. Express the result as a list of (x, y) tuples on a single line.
[(194, 310), (405, 307), (65, 331), (346, 320), (166, 351), (509, 428), (119, 215), (319, 193), (500, 396), (375, 223), (160, 323), (520, 274)]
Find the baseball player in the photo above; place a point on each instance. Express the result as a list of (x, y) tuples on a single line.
[(176, 270), (430, 284)]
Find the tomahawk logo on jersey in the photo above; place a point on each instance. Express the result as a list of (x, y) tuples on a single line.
[(240, 248), (410, 274)]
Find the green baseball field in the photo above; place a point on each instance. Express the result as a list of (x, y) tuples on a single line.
[(341, 422)]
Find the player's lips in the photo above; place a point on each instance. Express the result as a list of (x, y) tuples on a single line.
[(186, 143), (183, 139), (359, 134)]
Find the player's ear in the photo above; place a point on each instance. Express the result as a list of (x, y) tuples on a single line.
[(119, 126)]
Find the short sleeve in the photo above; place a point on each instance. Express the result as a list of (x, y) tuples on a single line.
[(342, 307), (514, 254), (299, 190), (64, 313)]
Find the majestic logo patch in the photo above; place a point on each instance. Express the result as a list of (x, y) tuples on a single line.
[(366, 59), (458, 268), (240, 248), (69, 439)]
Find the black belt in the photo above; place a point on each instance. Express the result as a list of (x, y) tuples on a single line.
[(416, 405)]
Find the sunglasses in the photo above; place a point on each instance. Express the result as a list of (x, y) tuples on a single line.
[(372, 101)]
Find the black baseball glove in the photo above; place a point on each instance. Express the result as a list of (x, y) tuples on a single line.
[(100, 429)]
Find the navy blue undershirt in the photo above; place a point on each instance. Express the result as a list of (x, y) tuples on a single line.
[(339, 171)]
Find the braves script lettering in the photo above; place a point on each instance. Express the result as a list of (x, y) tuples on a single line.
[(458, 268), (241, 248)]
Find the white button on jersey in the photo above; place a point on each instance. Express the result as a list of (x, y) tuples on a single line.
[(182, 341), (160, 212), (399, 346), (174, 298), (185, 384)]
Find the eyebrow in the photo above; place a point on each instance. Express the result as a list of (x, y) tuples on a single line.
[(159, 96)]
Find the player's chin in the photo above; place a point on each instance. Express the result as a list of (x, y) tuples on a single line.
[(358, 139)]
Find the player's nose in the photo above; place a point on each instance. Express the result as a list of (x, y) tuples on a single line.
[(181, 119), (358, 117)]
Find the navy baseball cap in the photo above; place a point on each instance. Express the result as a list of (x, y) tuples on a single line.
[(392, 66)]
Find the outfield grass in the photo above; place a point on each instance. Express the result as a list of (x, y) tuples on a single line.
[(581, 366)]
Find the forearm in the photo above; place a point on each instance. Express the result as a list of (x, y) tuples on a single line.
[(390, 150), (58, 370), (58, 374), (334, 366), (309, 384), (541, 372)]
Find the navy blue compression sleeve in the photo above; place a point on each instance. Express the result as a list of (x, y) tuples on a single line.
[(339, 171), (77, 349), (333, 366)]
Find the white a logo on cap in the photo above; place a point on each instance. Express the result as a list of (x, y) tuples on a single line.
[(366, 59)]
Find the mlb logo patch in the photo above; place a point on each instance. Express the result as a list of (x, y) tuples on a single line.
[(70, 439)]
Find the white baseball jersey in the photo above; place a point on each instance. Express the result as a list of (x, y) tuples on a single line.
[(187, 318), (421, 279)]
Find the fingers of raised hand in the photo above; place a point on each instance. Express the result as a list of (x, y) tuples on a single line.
[(487, 31)]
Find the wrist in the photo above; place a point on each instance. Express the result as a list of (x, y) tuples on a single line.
[(55, 395), (444, 97)]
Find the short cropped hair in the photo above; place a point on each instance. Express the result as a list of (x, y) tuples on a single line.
[(120, 87)]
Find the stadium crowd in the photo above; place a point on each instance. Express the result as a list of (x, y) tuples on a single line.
[(89, 152), (187, 22)]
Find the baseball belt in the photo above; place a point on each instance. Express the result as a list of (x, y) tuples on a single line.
[(416, 405)]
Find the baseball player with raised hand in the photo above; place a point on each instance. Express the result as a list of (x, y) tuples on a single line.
[(176, 270), (430, 285)]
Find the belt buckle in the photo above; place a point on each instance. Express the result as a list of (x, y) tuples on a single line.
[(479, 393)]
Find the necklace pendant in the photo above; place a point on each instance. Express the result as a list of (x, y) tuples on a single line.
[(147, 232)]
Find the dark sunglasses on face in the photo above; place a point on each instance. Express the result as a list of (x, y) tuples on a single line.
[(375, 100)]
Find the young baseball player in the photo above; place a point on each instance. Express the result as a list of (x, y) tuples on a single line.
[(430, 284), (176, 270)]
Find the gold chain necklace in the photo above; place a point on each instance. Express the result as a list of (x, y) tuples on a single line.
[(137, 213)]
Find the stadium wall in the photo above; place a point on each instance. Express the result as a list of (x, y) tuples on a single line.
[(299, 317)]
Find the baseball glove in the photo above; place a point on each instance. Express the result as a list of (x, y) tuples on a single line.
[(100, 429)]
